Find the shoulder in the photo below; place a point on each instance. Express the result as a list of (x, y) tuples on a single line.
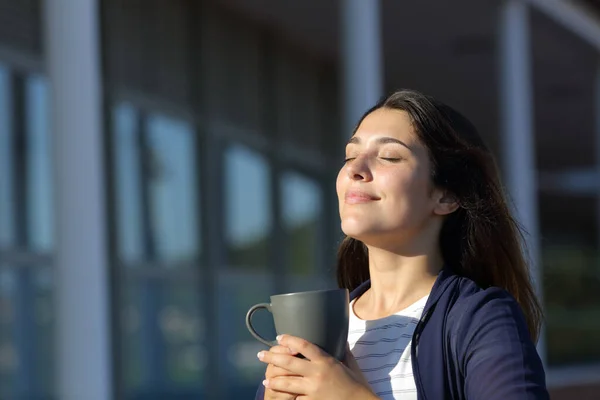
[(473, 300), (490, 345), (480, 316)]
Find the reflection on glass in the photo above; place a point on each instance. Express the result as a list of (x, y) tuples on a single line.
[(6, 161), (26, 333), (8, 351), (45, 326), (302, 207), (247, 207), (571, 268), (163, 339), (39, 165), (128, 178), (238, 291), (170, 161), (162, 166)]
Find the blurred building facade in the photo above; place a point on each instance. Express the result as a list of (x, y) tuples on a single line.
[(164, 165)]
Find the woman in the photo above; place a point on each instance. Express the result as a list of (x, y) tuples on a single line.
[(442, 304)]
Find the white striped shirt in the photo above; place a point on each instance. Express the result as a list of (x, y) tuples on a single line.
[(382, 350)]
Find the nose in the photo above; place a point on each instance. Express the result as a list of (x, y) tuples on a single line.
[(358, 169)]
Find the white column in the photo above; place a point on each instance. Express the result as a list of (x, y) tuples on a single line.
[(81, 293), (517, 131), (361, 59)]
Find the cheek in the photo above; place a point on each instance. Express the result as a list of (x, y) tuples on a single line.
[(396, 185), (407, 189)]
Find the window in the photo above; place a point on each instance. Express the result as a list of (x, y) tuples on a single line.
[(39, 169), (26, 238), (128, 184), (156, 188), (571, 266), (162, 328), (237, 291), (163, 338), (299, 117), (247, 200), (26, 332), (263, 204), (303, 222), (169, 160), (6, 161)]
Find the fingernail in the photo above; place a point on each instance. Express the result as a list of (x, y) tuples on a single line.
[(266, 382), (278, 337), (260, 355)]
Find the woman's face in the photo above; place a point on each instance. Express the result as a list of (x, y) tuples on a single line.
[(384, 188)]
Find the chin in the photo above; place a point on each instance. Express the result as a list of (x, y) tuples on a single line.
[(372, 234), (357, 231)]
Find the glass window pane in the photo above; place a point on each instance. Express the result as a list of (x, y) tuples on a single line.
[(39, 166), (237, 291), (163, 338), (235, 92), (26, 333), (6, 160), (8, 351), (45, 327), (167, 166), (571, 267), (128, 178), (297, 84), (171, 163), (302, 209), (248, 208)]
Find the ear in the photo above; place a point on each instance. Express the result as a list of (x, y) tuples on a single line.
[(446, 203)]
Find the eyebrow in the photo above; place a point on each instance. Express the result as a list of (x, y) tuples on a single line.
[(381, 140)]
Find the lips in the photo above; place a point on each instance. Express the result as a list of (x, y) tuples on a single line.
[(359, 197)]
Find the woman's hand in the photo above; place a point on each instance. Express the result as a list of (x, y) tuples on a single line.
[(273, 371), (350, 362), (317, 377)]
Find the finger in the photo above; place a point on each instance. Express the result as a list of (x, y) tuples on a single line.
[(282, 350), (349, 360), (304, 347), (352, 364), (273, 371), (288, 384), (277, 395), (288, 362)]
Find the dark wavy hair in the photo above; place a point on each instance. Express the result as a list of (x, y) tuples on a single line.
[(480, 240)]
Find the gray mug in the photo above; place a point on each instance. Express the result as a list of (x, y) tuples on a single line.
[(319, 316)]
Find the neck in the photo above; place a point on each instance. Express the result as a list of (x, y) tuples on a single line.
[(398, 280)]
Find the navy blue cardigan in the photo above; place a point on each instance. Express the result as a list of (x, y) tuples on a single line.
[(471, 343)]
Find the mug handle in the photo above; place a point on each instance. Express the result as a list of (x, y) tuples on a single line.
[(253, 332)]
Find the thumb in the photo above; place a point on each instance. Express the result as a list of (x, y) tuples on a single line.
[(350, 362)]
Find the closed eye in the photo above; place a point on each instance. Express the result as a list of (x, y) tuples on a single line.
[(391, 159)]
